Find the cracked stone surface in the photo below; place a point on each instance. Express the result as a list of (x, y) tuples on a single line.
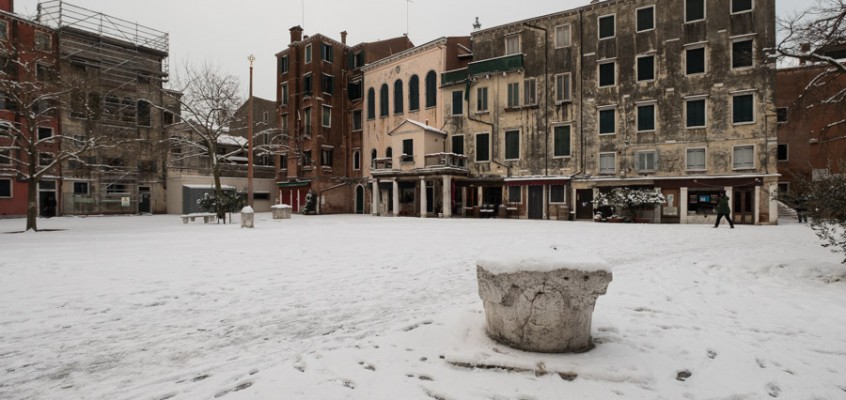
[(542, 311)]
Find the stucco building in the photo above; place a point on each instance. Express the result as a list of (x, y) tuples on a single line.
[(673, 96)]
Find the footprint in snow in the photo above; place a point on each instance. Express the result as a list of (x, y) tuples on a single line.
[(683, 375), (773, 390), (712, 354)]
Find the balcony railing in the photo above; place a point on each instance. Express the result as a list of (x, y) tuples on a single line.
[(454, 77), (446, 160), (382, 163), (494, 65)]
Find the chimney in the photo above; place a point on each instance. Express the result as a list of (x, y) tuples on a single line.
[(344, 37), (296, 34)]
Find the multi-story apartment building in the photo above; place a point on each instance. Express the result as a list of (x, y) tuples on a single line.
[(116, 69), (319, 95), (28, 137), (667, 95), (811, 134), (409, 166)]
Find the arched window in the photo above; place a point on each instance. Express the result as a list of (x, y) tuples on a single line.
[(383, 100), (356, 160), (398, 97), (389, 152), (144, 117), (373, 158), (371, 103), (431, 89), (414, 93)]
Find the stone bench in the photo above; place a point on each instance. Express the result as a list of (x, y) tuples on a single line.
[(544, 301), (207, 217)]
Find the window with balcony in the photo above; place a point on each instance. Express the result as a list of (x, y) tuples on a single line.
[(408, 150)]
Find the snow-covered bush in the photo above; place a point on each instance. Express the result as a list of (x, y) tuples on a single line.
[(631, 200)]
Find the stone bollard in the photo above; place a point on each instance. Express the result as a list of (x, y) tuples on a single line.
[(281, 211), (247, 217), (542, 303)]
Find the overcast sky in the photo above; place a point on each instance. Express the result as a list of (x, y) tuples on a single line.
[(227, 32)]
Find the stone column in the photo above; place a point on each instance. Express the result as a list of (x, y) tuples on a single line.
[(395, 200), (447, 197), (683, 205), (423, 202), (374, 198)]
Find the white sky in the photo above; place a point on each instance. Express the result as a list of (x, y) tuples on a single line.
[(226, 32)]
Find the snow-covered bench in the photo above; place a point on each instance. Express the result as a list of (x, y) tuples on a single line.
[(207, 217)]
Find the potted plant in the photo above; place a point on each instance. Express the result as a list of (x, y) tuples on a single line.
[(632, 201)]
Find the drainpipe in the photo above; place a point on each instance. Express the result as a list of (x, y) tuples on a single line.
[(320, 194), (546, 103)]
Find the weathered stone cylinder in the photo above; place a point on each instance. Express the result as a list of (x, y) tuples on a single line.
[(247, 217), (281, 211), (542, 304)]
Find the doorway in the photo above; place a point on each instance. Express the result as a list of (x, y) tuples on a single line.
[(359, 199), (584, 204), (743, 206), (535, 202), (144, 203)]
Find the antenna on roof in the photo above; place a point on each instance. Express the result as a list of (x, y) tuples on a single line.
[(477, 25), (303, 10), (406, 16)]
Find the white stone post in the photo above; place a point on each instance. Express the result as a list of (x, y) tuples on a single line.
[(423, 201), (396, 198), (683, 205), (374, 198), (447, 197)]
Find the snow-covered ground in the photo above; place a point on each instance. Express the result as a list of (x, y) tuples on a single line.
[(358, 307)]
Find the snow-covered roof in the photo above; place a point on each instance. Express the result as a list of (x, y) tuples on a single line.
[(421, 125), (232, 140), (193, 186)]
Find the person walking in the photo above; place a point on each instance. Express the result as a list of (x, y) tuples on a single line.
[(723, 210), (801, 209)]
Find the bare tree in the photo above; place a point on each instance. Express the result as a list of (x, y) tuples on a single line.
[(34, 95), (208, 101), (818, 35)]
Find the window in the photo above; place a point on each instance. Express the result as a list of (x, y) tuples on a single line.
[(42, 41), (307, 121), (399, 97), (4, 30), (530, 97), (327, 84), (645, 161), (326, 121), (373, 155), (80, 188), (389, 152), (457, 102), (607, 163), (307, 84), (695, 113), (354, 90), (458, 144), (741, 53), (414, 93), (515, 194), (607, 121), (308, 53), (781, 115), (45, 159), (483, 147), (606, 26), (694, 10), (646, 117), (607, 72), (326, 157), (264, 117), (562, 88), (645, 18), (144, 116), (283, 162), (431, 89), (356, 120), (781, 152), (562, 36), (45, 133), (383, 100), (561, 141), (169, 118), (481, 99), (357, 59), (44, 73), (743, 109), (283, 64), (512, 145), (695, 60), (696, 159), (5, 156), (408, 149), (513, 95), (744, 157), (646, 68), (6, 188), (739, 6), (285, 94), (326, 53), (371, 103), (512, 44), (284, 120), (307, 158), (557, 194), (356, 160)]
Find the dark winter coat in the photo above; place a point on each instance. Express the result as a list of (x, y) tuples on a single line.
[(723, 206)]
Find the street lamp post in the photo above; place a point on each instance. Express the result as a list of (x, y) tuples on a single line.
[(250, 138)]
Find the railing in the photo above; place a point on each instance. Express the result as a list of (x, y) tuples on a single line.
[(446, 160), (383, 163), (494, 65), (454, 77)]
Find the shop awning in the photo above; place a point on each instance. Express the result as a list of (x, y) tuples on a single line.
[(290, 184)]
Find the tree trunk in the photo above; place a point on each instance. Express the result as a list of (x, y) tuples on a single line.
[(32, 206), (218, 191)]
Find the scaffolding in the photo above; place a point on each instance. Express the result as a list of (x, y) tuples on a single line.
[(123, 51)]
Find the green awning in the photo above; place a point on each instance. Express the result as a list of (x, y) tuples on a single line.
[(289, 184)]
